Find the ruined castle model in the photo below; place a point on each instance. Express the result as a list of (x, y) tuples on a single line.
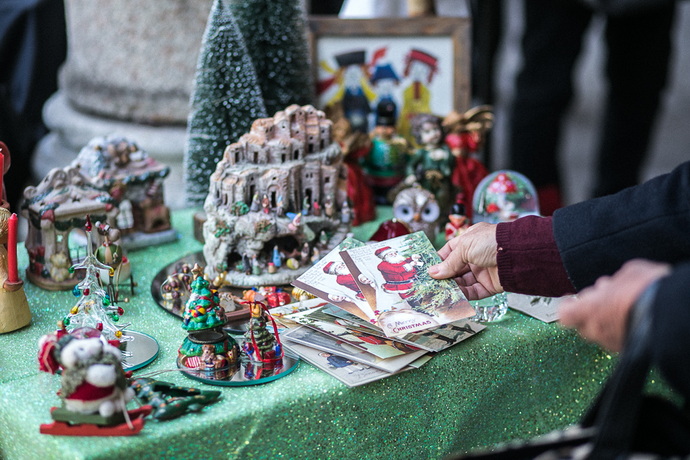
[(275, 200)]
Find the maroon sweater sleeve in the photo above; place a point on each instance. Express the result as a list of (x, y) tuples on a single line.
[(528, 258)]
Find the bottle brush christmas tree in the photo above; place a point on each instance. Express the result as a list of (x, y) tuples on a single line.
[(225, 101), (275, 34)]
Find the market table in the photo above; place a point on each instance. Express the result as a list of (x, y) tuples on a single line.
[(518, 378)]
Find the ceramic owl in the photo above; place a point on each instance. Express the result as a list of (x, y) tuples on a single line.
[(418, 209)]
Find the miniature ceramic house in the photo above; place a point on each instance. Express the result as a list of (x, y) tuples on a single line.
[(262, 197), (55, 207), (118, 166)]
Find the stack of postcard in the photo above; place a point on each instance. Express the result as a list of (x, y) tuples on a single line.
[(384, 313)]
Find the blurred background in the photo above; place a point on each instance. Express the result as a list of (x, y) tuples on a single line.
[(670, 144), (129, 70)]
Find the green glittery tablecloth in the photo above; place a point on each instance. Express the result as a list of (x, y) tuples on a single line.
[(517, 379)]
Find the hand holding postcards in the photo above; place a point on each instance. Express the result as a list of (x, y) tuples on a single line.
[(387, 283)]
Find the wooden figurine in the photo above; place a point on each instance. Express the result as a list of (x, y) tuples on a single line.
[(356, 146), (431, 165), (466, 135), (458, 221), (384, 166)]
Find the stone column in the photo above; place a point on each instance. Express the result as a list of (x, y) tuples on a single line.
[(129, 71)]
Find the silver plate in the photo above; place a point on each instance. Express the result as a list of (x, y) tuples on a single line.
[(246, 374), (139, 352)]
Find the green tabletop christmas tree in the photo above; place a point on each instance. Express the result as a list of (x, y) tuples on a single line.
[(207, 346), (275, 34), (202, 310), (225, 101)]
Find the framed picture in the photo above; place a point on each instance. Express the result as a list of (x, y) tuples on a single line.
[(391, 68)]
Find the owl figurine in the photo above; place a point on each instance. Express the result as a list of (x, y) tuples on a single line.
[(418, 209)]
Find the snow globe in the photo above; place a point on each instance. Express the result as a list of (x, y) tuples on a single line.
[(502, 196)]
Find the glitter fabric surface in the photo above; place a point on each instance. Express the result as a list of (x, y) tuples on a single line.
[(517, 379)]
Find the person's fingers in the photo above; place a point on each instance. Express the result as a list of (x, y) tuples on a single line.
[(453, 265)]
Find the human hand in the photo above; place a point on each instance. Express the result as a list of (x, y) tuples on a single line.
[(470, 259), (600, 312)]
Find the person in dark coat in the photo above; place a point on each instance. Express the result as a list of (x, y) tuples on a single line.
[(609, 250)]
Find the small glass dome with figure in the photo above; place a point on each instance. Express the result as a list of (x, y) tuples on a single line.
[(504, 196)]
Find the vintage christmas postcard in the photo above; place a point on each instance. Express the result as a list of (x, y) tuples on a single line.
[(344, 330), (315, 339), (330, 280), (436, 339), (351, 373), (393, 276)]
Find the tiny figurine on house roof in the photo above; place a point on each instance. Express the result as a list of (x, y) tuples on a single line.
[(14, 307), (118, 166), (94, 388), (290, 159), (55, 208)]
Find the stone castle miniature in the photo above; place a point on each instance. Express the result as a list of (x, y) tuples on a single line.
[(116, 165), (275, 198)]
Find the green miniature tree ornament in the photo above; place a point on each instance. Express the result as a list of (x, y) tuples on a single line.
[(202, 310), (275, 34), (225, 101)]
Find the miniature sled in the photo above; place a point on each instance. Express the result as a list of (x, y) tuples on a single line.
[(64, 423)]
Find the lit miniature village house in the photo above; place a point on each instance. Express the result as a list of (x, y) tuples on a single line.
[(55, 207), (275, 200), (119, 167)]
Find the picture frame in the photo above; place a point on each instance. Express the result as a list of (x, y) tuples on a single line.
[(404, 58)]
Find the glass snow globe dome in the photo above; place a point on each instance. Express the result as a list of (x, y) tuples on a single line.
[(504, 196)]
